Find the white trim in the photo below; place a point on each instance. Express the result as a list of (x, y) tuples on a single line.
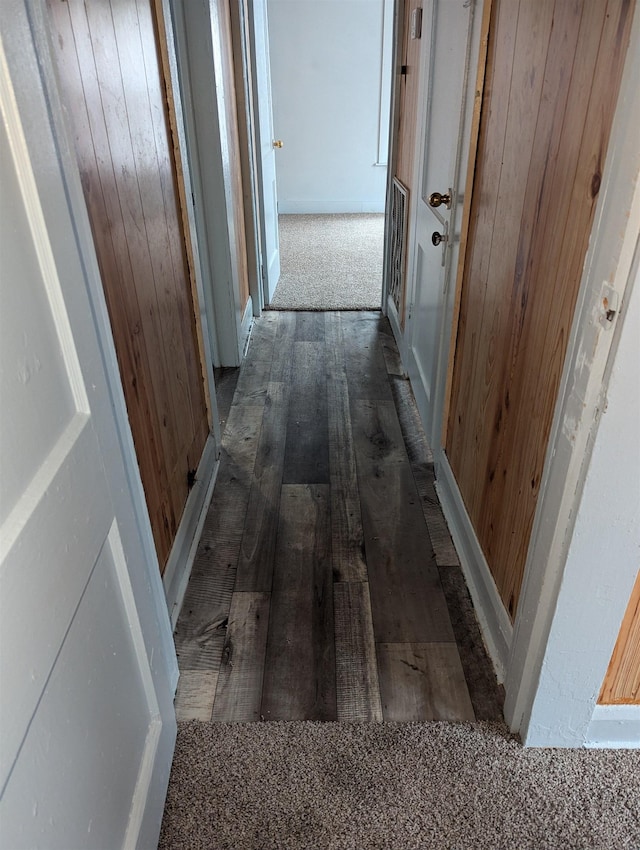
[(580, 401), (385, 83), (394, 111), (615, 726), (330, 207), (208, 330), (394, 321), (196, 31), (245, 328), (183, 552), (494, 621)]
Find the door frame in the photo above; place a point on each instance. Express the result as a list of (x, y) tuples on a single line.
[(387, 306), (468, 127), (211, 184)]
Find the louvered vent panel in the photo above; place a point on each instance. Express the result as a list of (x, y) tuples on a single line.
[(398, 242)]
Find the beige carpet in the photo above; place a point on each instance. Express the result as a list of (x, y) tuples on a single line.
[(330, 262), (432, 786)]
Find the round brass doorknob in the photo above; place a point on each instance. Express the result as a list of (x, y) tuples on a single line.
[(436, 199), (437, 238), (278, 143)]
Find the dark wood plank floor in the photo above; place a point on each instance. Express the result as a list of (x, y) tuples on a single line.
[(326, 585)]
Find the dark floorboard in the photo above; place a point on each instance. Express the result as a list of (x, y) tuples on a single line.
[(326, 585)]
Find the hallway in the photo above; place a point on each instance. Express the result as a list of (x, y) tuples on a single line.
[(326, 586)]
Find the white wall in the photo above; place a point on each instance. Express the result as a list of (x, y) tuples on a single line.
[(331, 102), (606, 533)]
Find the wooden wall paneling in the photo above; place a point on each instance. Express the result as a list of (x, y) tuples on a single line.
[(485, 212), (514, 328), (465, 228), (154, 45), (562, 207), (110, 72), (556, 258), (508, 269), (153, 249), (89, 131), (621, 685)]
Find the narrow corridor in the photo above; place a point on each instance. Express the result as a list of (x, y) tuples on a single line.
[(326, 586)]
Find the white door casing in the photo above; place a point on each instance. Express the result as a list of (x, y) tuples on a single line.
[(266, 154), (450, 35), (87, 665)]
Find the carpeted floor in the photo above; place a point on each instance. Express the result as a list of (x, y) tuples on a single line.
[(433, 786), (330, 262)]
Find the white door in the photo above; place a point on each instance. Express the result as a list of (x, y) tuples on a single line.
[(447, 29), (266, 154), (87, 667)]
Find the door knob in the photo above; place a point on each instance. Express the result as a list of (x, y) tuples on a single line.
[(436, 199), (437, 238), (278, 143)]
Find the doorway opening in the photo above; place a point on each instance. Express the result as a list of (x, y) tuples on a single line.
[(324, 92)]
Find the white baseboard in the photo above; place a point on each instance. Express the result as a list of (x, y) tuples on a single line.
[(497, 629), (394, 321), (309, 207), (245, 329), (183, 552), (616, 726)]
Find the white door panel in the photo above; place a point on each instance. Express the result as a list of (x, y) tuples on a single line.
[(447, 29), (266, 158), (87, 667), (71, 736)]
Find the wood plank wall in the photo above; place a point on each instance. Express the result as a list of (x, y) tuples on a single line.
[(112, 85), (621, 685), (553, 74)]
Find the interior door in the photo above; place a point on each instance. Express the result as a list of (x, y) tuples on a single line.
[(446, 31), (86, 659), (115, 93), (266, 143)]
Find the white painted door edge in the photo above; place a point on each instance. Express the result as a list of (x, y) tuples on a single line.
[(386, 300), (610, 258)]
